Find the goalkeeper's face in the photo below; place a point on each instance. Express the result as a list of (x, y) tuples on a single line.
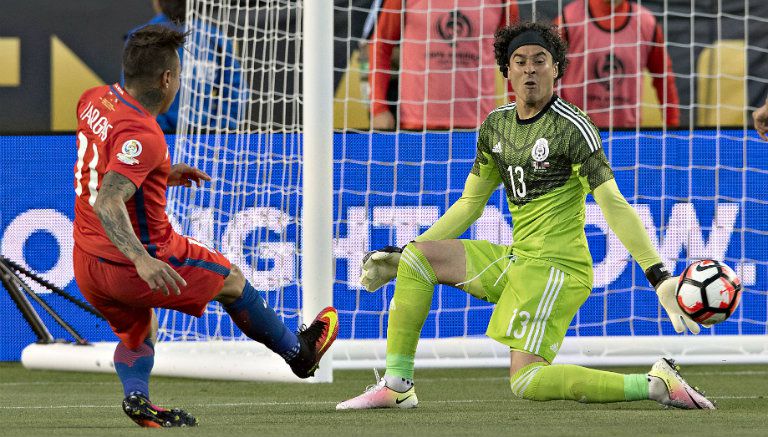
[(532, 74)]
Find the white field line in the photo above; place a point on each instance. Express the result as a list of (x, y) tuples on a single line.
[(235, 404), (420, 380), (426, 379), (282, 404)]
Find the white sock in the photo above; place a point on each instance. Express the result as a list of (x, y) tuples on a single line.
[(397, 383), (657, 390)]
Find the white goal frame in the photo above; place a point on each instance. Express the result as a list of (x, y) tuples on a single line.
[(317, 214)]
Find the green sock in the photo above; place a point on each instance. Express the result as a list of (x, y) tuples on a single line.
[(541, 382), (409, 309)]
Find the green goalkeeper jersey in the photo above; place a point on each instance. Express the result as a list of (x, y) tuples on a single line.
[(548, 164)]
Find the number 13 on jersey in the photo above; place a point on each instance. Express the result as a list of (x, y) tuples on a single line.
[(517, 187)]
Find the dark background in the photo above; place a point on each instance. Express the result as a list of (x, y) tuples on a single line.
[(94, 30)]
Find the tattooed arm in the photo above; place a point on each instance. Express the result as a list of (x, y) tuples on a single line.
[(115, 190)]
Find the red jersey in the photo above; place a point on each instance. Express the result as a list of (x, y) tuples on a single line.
[(115, 133)]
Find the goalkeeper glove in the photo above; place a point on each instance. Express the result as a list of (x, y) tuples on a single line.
[(666, 286), (380, 267)]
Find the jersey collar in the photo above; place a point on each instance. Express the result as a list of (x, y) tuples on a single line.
[(127, 99), (540, 114)]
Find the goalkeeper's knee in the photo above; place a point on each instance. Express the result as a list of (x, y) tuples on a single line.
[(522, 382), (414, 265)]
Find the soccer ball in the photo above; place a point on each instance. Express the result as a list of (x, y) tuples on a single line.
[(709, 291)]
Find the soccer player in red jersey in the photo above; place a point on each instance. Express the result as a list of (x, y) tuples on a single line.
[(127, 257)]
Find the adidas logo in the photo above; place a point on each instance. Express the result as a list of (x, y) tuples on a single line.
[(554, 347), (497, 148)]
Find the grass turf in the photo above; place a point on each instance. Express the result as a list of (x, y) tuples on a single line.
[(453, 402)]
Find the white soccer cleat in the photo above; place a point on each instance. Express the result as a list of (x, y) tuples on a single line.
[(381, 396), (674, 391)]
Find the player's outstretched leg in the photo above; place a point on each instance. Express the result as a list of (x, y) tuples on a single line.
[(147, 415), (302, 351), (667, 387), (540, 381), (315, 340)]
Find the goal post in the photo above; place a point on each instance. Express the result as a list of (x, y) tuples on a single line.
[(317, 214)]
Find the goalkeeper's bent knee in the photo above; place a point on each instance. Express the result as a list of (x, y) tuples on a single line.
[(414, 264), (521, 380)]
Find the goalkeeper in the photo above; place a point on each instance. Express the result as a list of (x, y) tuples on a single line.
[(548, 155)]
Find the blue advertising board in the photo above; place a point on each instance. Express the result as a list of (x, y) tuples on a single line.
[(700, 194)]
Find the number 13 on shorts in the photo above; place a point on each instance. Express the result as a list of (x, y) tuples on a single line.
[(536, 307), (522, 322)]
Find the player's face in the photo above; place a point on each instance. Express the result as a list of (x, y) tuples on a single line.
[(532, 74)]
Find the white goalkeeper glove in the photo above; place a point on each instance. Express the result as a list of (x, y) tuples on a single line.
[(666, 287), (380, 267)]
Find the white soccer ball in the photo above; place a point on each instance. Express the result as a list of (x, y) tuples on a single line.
[(709, 291)]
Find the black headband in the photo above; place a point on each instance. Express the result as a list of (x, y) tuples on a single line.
[(529, 37)]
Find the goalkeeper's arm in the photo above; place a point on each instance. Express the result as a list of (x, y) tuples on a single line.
[(626, 224), (380, 266), (465, 211)]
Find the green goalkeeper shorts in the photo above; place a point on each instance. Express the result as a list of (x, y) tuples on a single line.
[(535, 301)]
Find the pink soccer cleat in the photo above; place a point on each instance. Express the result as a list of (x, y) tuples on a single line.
[(381, 396), (675, 392)]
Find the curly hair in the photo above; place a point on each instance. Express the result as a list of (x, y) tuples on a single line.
[(506, 34)]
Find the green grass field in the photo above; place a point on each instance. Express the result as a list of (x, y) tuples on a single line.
[(466, 402)]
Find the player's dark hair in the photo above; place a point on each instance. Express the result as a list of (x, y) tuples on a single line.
[(557, 46), (175, 10), (150, 51)]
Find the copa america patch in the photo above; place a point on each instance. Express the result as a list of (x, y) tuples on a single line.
[(131, 149)]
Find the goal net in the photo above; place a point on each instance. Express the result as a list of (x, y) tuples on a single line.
[(240, 121), (409, 90), (697, 184)]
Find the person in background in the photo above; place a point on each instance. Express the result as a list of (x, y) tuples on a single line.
[(222, 85), (610, 43), (447, 68)]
